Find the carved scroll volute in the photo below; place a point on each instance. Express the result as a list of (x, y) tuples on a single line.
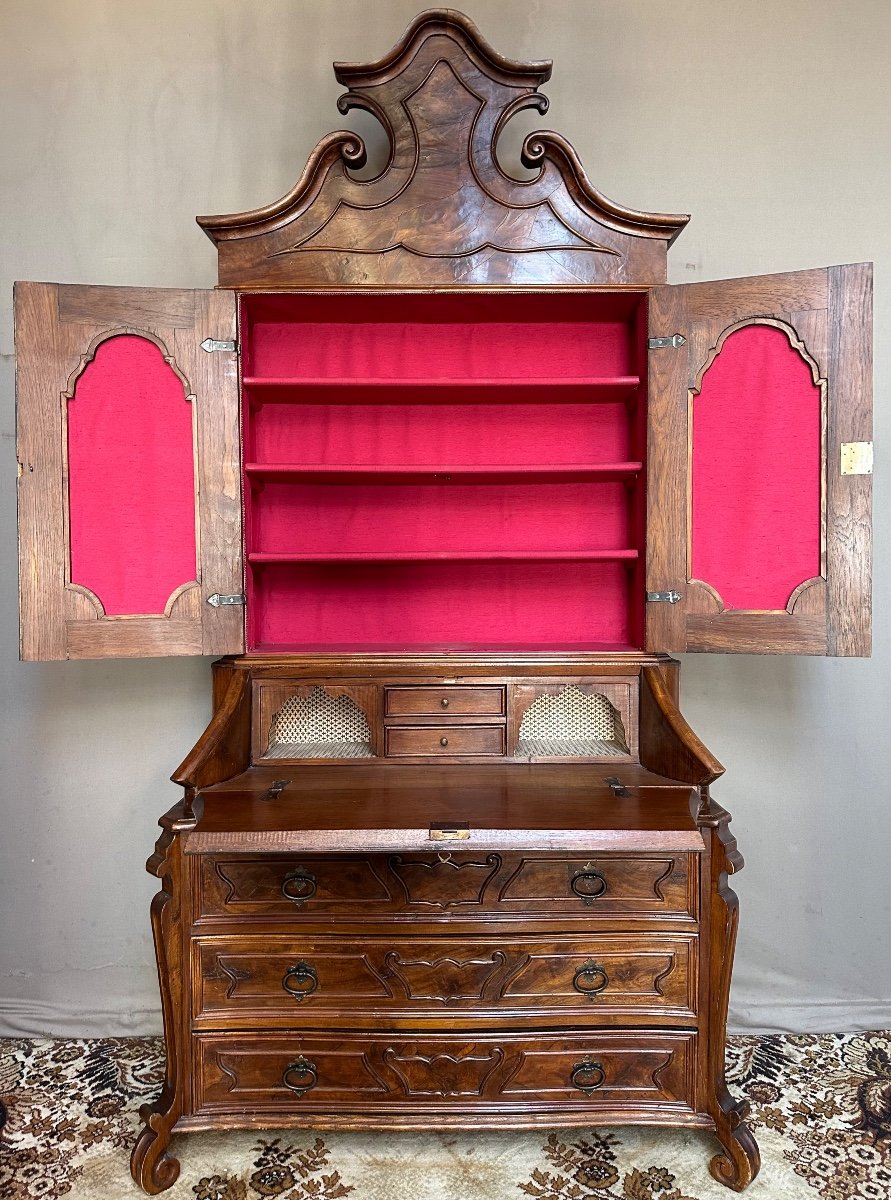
[(442, 211)]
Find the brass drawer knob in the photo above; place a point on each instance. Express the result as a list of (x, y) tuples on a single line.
[(443, 741), (588, 884), (444, 702), (299, 886), (300, 980), (300, 1076), (590, 980), (587, 1075)]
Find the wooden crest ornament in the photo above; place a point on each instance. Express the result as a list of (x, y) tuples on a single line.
[(442, 211)]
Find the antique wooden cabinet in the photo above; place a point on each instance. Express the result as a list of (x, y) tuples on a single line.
[(445, 470)]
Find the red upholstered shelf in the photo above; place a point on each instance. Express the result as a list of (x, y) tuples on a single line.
[(347, 472), (260, 557), (437, 389)]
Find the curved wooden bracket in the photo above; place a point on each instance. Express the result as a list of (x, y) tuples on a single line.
[(443, 210)]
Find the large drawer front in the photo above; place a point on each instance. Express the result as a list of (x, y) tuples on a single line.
[(293, 980), (354, 1073), (436, 887)]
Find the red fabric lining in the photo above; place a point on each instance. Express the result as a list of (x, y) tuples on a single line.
[(756, 471), (352, 518), (131, 479), (438, 604), (438, 434)]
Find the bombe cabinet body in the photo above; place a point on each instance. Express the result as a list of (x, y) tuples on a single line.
[(445, 470)]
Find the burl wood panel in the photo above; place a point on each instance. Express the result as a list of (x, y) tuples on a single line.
[(830, 313), (506, 1073), (58, 329), (265, 980), (443, 211), (321, 891)]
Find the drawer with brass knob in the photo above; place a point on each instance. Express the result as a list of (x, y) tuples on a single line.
[(266, 979), (445, 740), (408, 1074), (447, 700)]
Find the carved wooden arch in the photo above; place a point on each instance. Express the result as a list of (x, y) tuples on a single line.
[(710, 598), (91, 605), (442, 212)]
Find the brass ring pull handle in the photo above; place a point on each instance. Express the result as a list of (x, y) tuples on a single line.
[(587, 884), (299, 886), (590, 980), (300, 980), (300, 1076), (587, 1076)]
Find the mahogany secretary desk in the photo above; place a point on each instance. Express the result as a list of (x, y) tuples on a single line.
[(445, 471)]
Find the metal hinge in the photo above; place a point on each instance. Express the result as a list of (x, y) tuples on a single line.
[(856, 458), (663, 597), (217, 601), (616, 786), (211, 344), (676, 339)]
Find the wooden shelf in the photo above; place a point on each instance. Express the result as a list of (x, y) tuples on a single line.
[(259, 557), (337, 473), (312, 390)]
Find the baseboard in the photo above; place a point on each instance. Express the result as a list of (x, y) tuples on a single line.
[(815, 1016), (33, 1018)]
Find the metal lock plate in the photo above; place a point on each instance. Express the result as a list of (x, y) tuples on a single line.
[(856, 458), (449, 831)]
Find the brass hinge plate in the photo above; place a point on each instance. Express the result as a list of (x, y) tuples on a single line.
[(663, 597), (212, 344), (218, 601), (673, 342), (856, 458), (449, 831)]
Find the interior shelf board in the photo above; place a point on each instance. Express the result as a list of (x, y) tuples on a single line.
[(393, 471), (286, 389), (624, 555)]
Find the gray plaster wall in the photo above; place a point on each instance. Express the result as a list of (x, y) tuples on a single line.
[(768, 122)]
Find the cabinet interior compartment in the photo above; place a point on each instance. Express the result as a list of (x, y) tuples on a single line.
[(444, 471), (578, 719), (313, 721)]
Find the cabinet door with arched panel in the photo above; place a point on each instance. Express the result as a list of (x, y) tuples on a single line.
[(760, 456), (128, 462)]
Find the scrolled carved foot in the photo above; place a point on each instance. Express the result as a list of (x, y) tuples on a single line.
[(150, 1165), (740, 1163)]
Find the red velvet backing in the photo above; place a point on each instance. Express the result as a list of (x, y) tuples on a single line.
[(131, 479), (756, 479), (481, 605), (419, 341)]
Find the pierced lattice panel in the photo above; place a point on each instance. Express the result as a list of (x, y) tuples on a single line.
[(571, 723), (319, 726)]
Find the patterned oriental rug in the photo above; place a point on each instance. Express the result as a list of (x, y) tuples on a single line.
[(821, 1110)]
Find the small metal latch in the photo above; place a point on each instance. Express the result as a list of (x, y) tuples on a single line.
[(856, 458), (276, 790), (618, 788), (211, 344), (663, 597), (217, 601), (676, 339), (449, 831)]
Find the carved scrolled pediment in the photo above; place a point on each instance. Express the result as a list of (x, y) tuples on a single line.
[(442, 211)]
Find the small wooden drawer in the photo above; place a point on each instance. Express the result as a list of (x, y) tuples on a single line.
[(403, 1074), (439, 740), (261, 980), (448, 701), (513, 886)]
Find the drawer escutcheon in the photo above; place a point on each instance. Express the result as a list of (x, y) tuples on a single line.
[(300, 1076), (590, 979), (587, 1076), (304, 977)]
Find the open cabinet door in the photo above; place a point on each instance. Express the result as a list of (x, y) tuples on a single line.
[(759, 488), (128, 451)]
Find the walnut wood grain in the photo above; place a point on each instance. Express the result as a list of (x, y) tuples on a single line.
[(667, 743), (443, 212), (603, 978), (448, 887), (58, 328), (647, 1075)]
